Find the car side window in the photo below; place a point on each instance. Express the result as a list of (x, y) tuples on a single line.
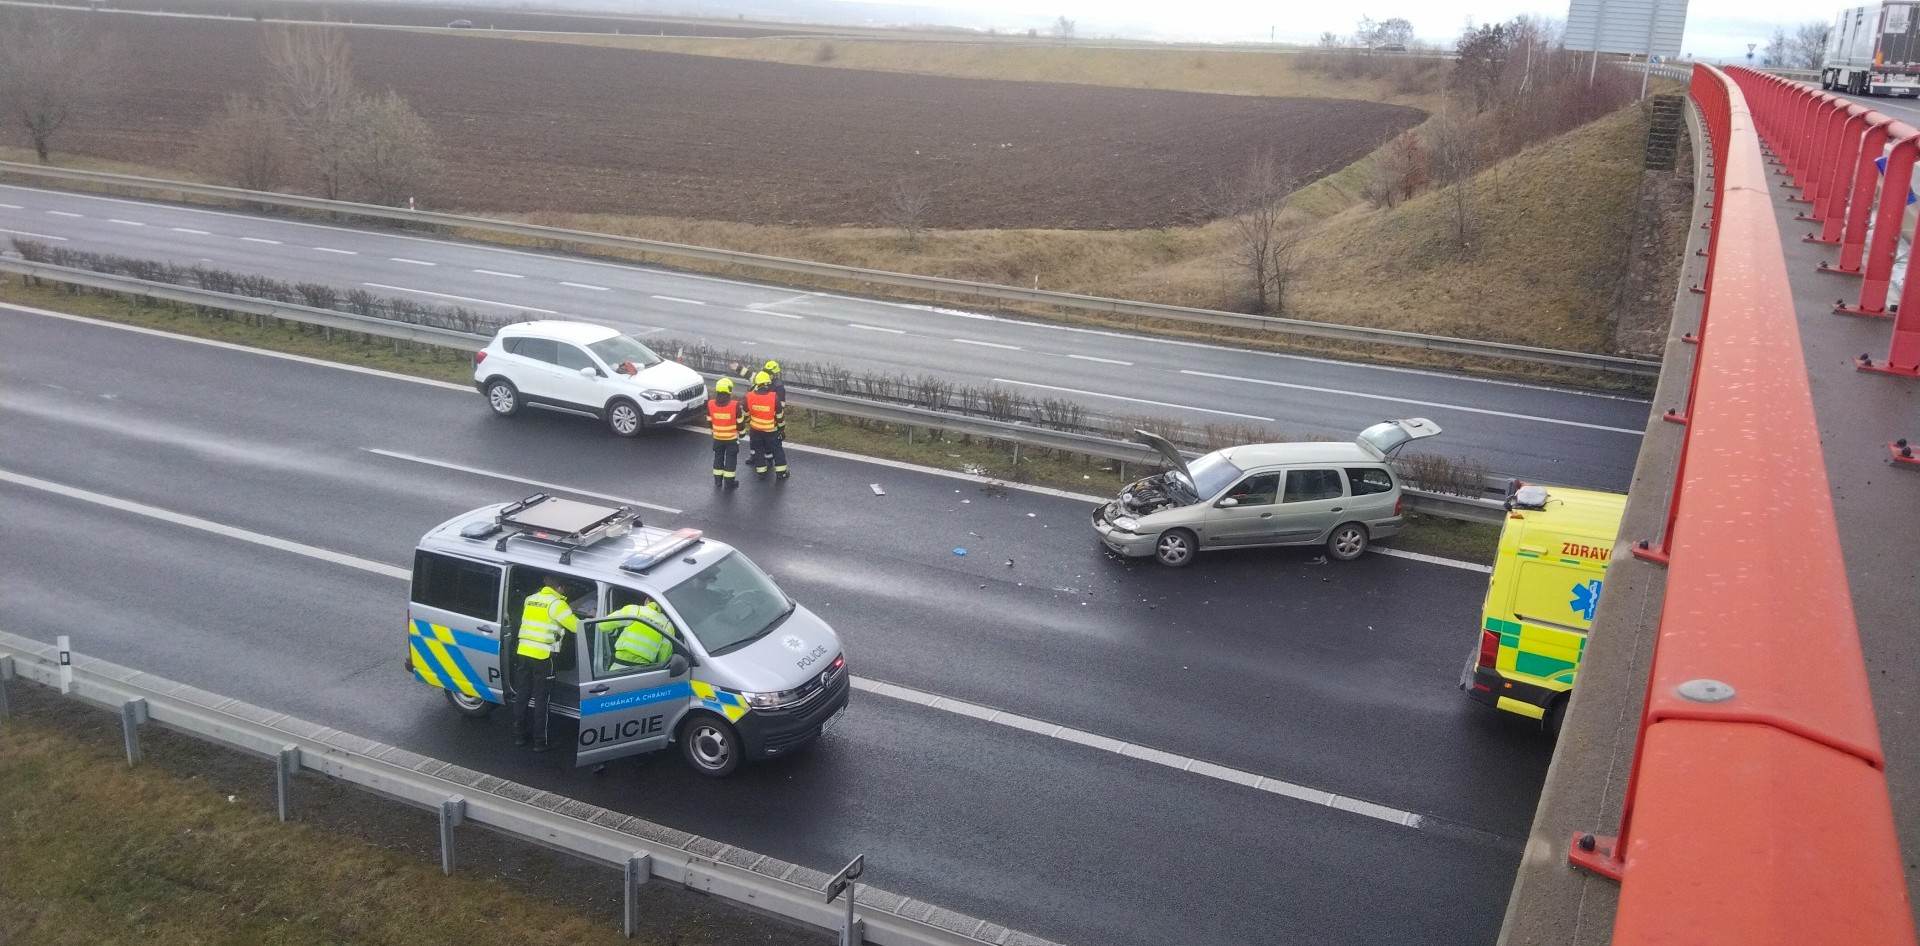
[(572, 358), (1367, 480), (538, 349), (605, 664), (1309, 485), (1256, 490), (457, 585)]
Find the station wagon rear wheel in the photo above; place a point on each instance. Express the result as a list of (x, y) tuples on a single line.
[(472, 707), (1347, 542), (711, 745), (1175, 548)]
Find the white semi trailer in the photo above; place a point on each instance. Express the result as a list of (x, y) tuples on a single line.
[(1874, 49)]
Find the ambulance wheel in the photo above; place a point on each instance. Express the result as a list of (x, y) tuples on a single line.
[(1175, 548), (472, 707), (503, 397), (1347, 542), (710, 744), (624, 418), (1556, 714)]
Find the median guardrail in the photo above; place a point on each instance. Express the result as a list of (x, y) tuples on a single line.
[(1302, 328), (1756, 808), (641, 849)]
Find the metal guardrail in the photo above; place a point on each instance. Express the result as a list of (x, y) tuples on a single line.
[(1303, 328), (1478, 509), (643, 849)]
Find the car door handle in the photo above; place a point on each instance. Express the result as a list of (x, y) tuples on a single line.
[(1336, 509), (488, 629), (1266, 515), (598, 688)]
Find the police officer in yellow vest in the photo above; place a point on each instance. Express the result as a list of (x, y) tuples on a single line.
[(545, 619), (764, 407), (643, 640)]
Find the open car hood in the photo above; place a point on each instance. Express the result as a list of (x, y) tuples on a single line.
[(1384, 438), (1169, 454)]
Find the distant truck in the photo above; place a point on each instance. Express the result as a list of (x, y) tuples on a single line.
[(1874, 50)]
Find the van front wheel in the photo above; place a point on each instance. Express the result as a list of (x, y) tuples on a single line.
[(711, 745)]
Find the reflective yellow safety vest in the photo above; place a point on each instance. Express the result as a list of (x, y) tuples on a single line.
[(763, 410), (724, 419), (643, 638), (543, 617)]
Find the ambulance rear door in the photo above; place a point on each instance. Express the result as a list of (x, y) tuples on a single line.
[(1554, 601)]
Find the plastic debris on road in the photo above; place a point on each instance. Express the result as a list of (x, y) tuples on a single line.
[(877, 491), (959, 551)]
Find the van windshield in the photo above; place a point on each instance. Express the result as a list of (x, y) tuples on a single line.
[(729, 604), (621, 348)]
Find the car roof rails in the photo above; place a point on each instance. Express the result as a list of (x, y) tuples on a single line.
[(563, 522)]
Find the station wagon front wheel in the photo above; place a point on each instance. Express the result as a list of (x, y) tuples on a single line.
[(1175, 548), (711, 745), (1347, 542)]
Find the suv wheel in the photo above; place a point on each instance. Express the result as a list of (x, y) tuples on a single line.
[(624, 418), (472, 707), (1348, 541), (503, 397), (711, 745), (1175, 548)]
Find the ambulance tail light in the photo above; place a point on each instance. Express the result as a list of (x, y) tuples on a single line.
[(1489, 649)]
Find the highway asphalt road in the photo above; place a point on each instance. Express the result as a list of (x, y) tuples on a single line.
[(288, 591), (1542, 433)]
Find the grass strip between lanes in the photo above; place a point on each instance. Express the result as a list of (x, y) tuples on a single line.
[(184, 849), (1466, 541)]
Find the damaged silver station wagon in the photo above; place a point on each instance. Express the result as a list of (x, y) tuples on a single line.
[(1341, 494)]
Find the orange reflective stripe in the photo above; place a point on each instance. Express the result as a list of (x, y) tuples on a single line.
[(724, 419), (763, 409)]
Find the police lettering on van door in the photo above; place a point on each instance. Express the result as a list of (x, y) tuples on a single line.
[(622, 731), (594, 733)]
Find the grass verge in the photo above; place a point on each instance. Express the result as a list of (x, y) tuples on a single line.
[(920, 445), (183, 849)]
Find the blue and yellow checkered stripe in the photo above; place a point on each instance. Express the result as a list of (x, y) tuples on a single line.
[(725, 702), (437, 660)]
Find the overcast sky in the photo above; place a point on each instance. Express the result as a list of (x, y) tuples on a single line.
[(1716, 29)]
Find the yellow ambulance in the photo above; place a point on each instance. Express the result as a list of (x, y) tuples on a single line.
[(1542, 598)]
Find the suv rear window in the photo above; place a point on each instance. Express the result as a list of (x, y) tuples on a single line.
[(456, 585), (538, 349), (1367, 481), (1308, 485)]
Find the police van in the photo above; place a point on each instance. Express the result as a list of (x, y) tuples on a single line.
[(753, 675), (1545, 589)]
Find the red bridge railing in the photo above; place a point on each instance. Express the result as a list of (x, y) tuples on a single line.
[(1756, 809)]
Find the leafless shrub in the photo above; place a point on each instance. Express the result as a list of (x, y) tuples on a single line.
[(825, 52), (50, 71), (388, 152), (907, 205), (1439, 474), (1400, 172), (1456, 158), (248, 144), (312, 71), (1263, 242)]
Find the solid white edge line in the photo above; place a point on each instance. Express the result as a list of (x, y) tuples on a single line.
[(667, 273), (1136, 400), (205, 525), (1441, 405), (795, 447), (1171, 760), (448, 295), (37, 236), (509, 477)]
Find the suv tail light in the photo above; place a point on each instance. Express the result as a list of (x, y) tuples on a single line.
[(479, 356), (1489, 649)]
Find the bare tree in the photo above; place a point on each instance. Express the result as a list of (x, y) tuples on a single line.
[(1264, 241), (1779, 49), (1808, 48), (1063, 28), (313, 86), (907, 205), (388, 152), (1455, 148), (49, 72), (248, 144), (1399, 172)]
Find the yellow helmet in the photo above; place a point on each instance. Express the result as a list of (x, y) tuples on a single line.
[(773, 367), (723, 386), (761, 378)]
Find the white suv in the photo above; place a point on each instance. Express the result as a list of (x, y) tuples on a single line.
[(591, 369)]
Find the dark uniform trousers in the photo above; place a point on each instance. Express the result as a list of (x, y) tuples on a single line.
[(532, 690)]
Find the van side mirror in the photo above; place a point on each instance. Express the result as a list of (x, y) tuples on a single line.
[(1229, 503), (677, 666)]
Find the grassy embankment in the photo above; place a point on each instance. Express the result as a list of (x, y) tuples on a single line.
[(1468, 541), (183, 850)]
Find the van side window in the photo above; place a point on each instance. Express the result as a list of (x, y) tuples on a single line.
[(1309, 485), (1367, 481), (457, 585), (1256, 490), (604, 664)]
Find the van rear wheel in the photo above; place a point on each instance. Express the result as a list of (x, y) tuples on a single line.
[(472, 707), (711, 745)]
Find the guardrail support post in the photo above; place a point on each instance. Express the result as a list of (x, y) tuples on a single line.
[(639, 871), (452, 811), (132, 713), (6, 674), (854, 932), (284, 767)]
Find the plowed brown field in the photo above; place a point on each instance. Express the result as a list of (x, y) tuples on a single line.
[(534, 126)]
